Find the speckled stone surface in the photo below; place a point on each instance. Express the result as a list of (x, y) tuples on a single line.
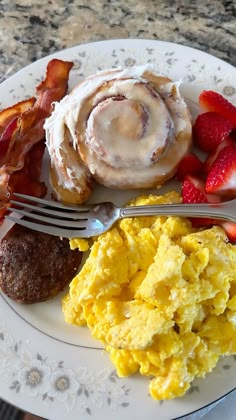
[(30, 29)]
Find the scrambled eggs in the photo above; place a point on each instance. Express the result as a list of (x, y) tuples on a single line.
[(161, 297)]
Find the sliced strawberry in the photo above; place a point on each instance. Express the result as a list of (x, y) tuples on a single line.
[(189, 165), (193, 192), (230, 230), (213, 155), (222, 176), (211, 129), (215, 102)]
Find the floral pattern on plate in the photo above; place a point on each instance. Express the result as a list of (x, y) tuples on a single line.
[(38, 376), (41, 372)]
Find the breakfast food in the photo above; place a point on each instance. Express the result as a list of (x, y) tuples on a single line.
[(213, 180), (212, 101), (160, 295), (122, 128), (158, 292), (189, 165), (35, 266), (22, 136), (210, 130)]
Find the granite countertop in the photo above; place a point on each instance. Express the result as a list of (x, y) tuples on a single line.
[(32, 29)]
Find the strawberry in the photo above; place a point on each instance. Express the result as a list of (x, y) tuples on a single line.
[(193, 192), (211, 129), (189, 165), (215, 102), (230, 230), (213, 155), (222, 176)]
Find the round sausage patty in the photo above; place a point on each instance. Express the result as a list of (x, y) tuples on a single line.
[(35, 266)]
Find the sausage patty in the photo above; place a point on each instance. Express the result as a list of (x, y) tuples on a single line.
[(35, 266)]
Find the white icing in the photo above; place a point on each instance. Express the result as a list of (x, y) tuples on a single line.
[(104, 128), (108, 143)]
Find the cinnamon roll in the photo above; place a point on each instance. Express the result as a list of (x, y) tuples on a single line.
[(123, 128)]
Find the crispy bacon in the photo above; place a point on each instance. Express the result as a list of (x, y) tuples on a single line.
[(8, 114), (6, 138), (22, 136), (26, 181)]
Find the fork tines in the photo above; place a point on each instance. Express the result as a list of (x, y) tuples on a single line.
[(48, 216)]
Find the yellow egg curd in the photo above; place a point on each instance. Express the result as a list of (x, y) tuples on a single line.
[(160, 296)]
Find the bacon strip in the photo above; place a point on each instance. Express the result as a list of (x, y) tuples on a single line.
[(6, 138), (8, 114), (22, 136), (26, 181)]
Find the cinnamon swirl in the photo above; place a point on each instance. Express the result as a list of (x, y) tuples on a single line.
[(123, 128)]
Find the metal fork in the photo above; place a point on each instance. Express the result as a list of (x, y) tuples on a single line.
[(93, 219)]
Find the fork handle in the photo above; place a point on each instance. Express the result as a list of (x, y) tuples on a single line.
[(223, 211)]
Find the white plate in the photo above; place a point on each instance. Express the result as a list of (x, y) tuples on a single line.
[(35, 343)]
